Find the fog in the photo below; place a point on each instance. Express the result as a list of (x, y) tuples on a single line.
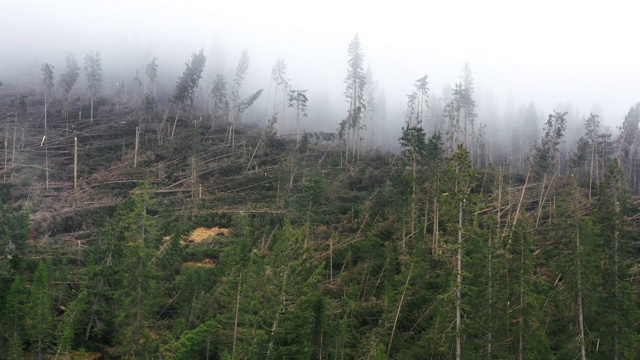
[(571, 54)]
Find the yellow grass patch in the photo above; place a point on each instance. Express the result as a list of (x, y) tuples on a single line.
[(201, 234)]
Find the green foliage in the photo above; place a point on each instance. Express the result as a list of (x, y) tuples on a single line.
[(188, 83), (245, 103), (355, 90), (546, 155), (93, 71), (47, 76), (151, 70), (138, 232), (40, 315), (616, 310), (70, 75), (413, 143), (219, 94), (14, 323), (241, 72), (14, 232)]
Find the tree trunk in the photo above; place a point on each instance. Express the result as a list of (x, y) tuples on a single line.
[(235, 320), (395, 321), (583, 354), (174, 123), (135, 151), (436, 234), (616, 290), (75, 164), (46, 150), (459, 287)]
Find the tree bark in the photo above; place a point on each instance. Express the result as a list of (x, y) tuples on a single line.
[(459, 287)]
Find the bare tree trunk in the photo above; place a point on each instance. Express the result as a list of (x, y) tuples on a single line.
[(135, 152), (395, 321), (46, 146), (413, 201), (13, 152), (298, 123), (174, 123), (6, 149), (459, 287), (75, 164), (235, 321), (593, 150), (91, 108), (616, 290), (436, 234), (583, 353), (524, 187), (161, 128)]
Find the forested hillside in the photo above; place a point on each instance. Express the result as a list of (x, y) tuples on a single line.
[(141, 226)]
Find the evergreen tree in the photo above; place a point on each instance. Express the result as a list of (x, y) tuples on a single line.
[(354, 94), (572, 262), (68, 79), (238, 80), (627, 144), (138, 231), (451, 112), (93, 71), (278, 76), (546, 155), (14, 324), (422, 88), (617, 312), (151, 70), (14, 232), (220, 102), (298, 100), (468, 108), (40, 316), (188, 83), (185, 89)]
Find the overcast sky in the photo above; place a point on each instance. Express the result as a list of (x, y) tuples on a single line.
[(547, 52)]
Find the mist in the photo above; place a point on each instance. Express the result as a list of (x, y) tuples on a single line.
[(571, 55)]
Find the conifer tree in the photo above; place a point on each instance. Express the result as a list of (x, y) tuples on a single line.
[(40, 314), (572, 244), (138, 231), (14, 324), (238, 80), (451, 112), (547, 153), (151, 70), (278, 76), (220, 102), (68, 79), (617, 312), (93, 71), (298, 100), (354, 94), (186, 86), (627, 143)]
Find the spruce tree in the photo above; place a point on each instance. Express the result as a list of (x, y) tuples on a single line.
[(187, 85), (40, 316), (138, 231), (14, 322), (354, 94), (68, 79), (93, 71), (617, 312)]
